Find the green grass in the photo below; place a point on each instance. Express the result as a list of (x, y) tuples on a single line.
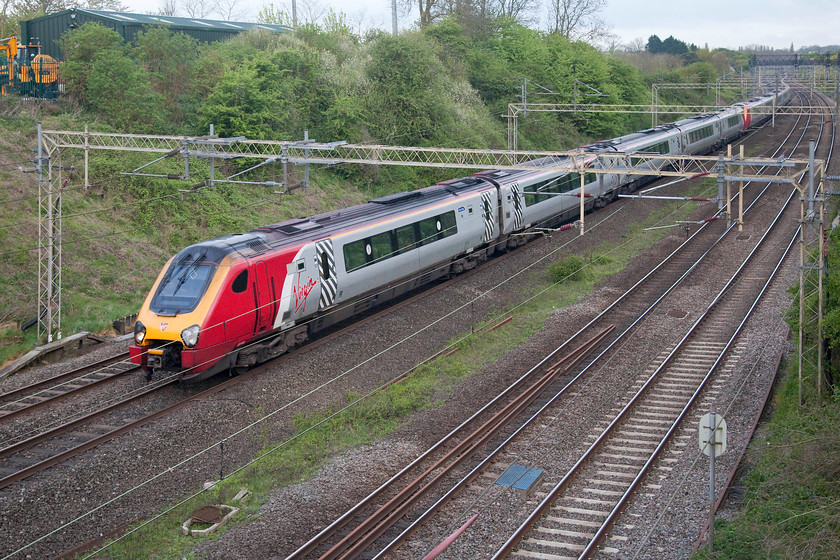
[(791, 508)]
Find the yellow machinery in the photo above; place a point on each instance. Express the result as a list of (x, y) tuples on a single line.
[(26, 72)]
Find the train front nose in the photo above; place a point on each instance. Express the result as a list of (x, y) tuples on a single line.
[(166, 357), (155, 347)]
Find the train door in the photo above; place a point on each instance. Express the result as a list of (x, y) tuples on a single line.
[(326, 271), (301, 291), (489, 210), (264, 300), (512, 204)]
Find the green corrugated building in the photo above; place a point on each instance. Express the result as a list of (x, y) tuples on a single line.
[(48, 29)]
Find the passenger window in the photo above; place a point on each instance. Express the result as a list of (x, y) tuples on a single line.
[(381, 246), (354, 255), (447, 221), (428, 230), (240, 283), (325, 266), (405, 238)]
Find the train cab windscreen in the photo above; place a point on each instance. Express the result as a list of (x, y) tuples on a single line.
[(183, 285)]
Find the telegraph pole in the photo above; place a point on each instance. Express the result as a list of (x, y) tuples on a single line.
[(394, 16)]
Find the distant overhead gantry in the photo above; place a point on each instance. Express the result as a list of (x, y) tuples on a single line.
[(794, 59)]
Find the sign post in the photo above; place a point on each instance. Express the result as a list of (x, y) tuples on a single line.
[(712, 435)]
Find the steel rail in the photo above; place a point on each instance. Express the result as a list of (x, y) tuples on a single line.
[(552, 496), (15, 393), (66, 389), (308, 547)]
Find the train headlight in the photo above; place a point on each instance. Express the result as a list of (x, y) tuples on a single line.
[(190, 336), (139, 332)]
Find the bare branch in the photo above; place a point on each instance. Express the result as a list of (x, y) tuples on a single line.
[(168, 7), (197, 8), (519, 10), (230, 10), (577, 19)]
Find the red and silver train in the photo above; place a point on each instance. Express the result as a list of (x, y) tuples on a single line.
[(232, 302)]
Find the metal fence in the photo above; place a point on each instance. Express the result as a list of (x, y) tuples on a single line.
[(39, 78)]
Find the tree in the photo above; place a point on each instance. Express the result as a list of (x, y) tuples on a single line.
[(81, 47), (112, 5), (32, 8), (276, 15), (270, 96), (674, 46), (518, 10), (198, 8), (637, 45), (167, 7), (577, 19), (230, 10), (429, 11), (173, 66), (120, 90), (308, 12), (39, 7)]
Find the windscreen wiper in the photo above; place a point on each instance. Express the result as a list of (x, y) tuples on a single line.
[(190, 268)]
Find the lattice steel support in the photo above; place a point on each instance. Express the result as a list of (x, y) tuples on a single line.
[(49, 242), (811, 279)]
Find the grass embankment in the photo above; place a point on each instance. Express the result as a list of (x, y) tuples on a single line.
[(363, 419), (791, 508)]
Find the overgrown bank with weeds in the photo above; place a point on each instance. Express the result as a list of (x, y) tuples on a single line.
[(792, 505), (791, 508), (363, 419)]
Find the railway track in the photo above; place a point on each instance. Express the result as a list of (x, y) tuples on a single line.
[(639, 302), (578, 512), (624, 313), (48, 391), (596, 489)]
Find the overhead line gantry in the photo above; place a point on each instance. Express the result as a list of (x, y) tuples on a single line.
[(52, 178)]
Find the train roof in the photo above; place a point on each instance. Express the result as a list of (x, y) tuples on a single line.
[(304, 230)]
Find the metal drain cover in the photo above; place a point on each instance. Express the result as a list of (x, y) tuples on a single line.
[(519, 477)]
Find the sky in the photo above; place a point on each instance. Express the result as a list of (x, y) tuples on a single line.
[(718, 23)]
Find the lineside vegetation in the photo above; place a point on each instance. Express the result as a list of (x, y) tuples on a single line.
[(435, 87)]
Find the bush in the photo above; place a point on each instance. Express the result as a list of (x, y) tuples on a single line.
[(571, 268)]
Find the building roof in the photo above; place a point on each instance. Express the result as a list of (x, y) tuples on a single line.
[(176, 22), (49, 28)]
